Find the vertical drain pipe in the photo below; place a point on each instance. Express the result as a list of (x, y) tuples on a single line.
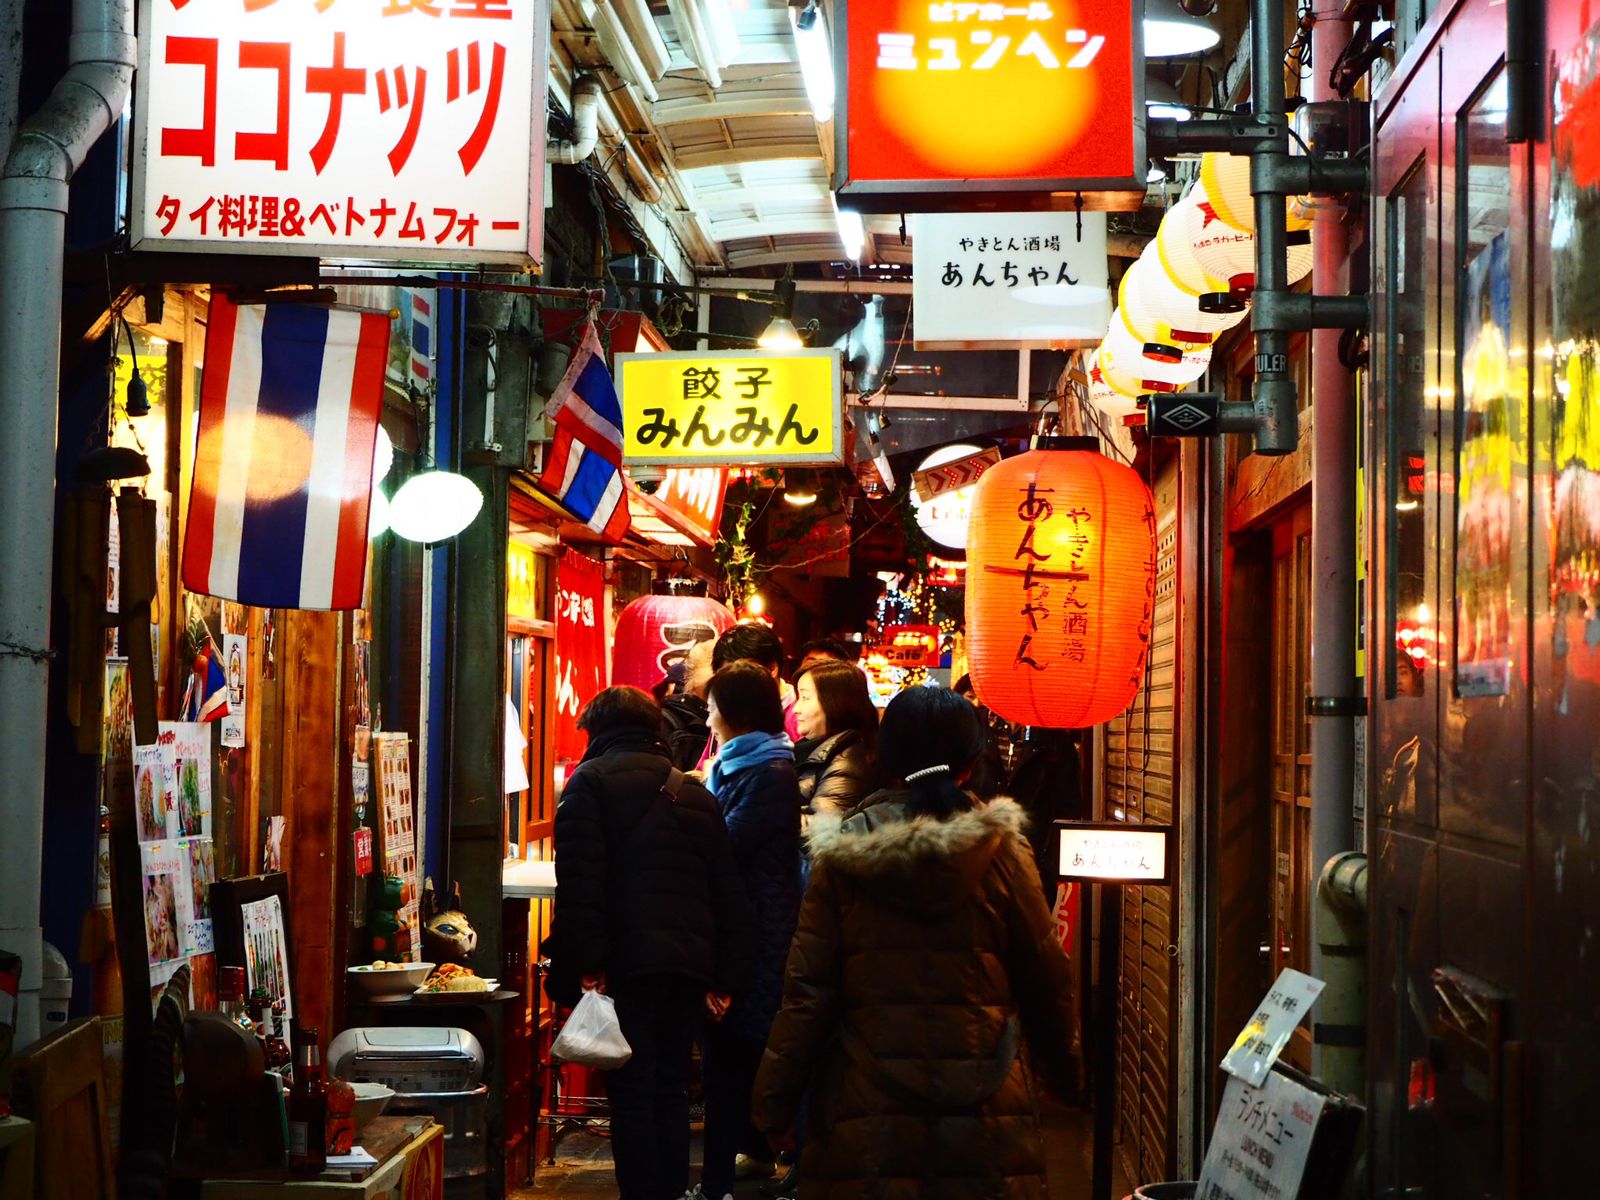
[(1333, 702), (49, 148), (1277, 421)]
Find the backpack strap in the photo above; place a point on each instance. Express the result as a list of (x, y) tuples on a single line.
[(673, 784)]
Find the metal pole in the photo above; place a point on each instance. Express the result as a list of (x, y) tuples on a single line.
[(1333, 540), (1278, 425), (1105, 1039)]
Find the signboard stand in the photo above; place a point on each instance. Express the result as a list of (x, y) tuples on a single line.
[(1292, 1138), (1111, 854)]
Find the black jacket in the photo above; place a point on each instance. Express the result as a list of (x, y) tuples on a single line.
[(835, 772), (761, 805), (645, 886)]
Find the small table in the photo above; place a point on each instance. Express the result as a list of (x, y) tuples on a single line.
[(410, 1154)]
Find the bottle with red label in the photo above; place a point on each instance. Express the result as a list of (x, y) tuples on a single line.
[(308, 1106)]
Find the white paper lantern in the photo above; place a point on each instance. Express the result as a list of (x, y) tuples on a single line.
[(1164, 369), (434, 506), (1157, 310), (1105, 397), (1226, 179)]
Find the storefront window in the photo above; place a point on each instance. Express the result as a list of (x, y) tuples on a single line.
[(1412, 645)]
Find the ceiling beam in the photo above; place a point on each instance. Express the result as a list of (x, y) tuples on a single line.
[(723, 156), (731, 103)]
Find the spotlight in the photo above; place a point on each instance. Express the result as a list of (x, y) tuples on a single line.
[(780, 333), (798, 489), (1170, 32)]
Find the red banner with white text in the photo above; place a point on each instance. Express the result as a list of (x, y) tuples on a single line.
[(580, 647)]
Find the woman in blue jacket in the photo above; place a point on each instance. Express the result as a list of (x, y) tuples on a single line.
[(753, 780)]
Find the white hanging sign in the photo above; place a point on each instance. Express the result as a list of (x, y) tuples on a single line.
[(1262, 1040), (410, 130), (1009, 280)]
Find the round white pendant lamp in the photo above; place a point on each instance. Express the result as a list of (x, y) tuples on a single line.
[(382, 456), (377, 513), (1169, 32), (434, 506)]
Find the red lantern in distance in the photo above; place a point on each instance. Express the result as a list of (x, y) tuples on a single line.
[(1061, 571), (655, 632)]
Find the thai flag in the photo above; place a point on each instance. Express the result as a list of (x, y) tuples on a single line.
[(206, 697), (283, 464), (583, 470)]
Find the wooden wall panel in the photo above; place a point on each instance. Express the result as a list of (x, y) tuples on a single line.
[(308, 666)]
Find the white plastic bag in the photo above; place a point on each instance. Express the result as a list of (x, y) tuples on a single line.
[(592, 1036)]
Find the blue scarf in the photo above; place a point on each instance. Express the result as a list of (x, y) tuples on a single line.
[(747, 750)]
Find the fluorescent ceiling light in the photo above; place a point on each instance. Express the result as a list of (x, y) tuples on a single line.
[(852, 232), (816, 59), (1169, 32)]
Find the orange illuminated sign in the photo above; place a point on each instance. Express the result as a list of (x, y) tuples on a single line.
[(958, 96)]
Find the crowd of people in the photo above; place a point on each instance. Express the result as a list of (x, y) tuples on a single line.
[(858, 942)]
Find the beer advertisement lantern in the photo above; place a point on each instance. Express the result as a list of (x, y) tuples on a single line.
[(1060, 586), (655, 633)]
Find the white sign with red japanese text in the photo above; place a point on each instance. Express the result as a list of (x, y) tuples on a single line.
[(410, 130), (1004, 280), (1261, 1141)]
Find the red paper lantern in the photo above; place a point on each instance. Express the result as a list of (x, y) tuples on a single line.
[(1061, 571), (654, 632)]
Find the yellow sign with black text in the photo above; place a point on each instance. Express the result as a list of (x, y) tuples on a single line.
[(731, 408)]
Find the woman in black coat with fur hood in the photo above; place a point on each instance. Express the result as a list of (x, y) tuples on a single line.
[(925, 986)]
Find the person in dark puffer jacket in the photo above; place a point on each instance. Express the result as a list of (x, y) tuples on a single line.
[(753, 779), (839, 725), (924, 960), (651, 909)]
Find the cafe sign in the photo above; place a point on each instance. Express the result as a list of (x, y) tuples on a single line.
[(910, 646), (410, 130), (731, 408), (947, 98)]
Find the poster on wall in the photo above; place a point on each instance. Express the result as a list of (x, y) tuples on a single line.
[(1487, 448), (189, 746), (397, 816), (580, 647), (266, 950), (236, 670)]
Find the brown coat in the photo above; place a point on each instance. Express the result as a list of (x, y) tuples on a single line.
[(923, 948)]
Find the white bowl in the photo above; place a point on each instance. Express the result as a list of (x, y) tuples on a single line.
[(394, 980), (371, 1100)]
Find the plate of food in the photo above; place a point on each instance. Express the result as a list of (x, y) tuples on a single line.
[(457, 982)]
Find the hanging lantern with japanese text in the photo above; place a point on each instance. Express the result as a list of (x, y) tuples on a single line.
[(1060, 586), (655, 633)]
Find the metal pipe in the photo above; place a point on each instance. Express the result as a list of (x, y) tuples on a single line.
[(1333, 544), (1339, 1033), (1277, 421), (47, 151), (586, 92)]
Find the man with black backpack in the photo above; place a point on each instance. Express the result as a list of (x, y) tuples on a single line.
[(651, 909)]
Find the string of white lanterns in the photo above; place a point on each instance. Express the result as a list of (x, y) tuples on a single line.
[(1191, 283)]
